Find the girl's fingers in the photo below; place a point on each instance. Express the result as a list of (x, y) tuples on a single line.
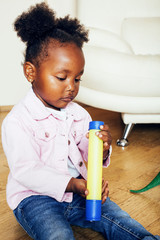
[(105, 135), (104, 185), (104, 127), (105, 190), (87, 135)]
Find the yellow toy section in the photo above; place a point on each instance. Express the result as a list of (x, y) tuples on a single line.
[(95, 158)]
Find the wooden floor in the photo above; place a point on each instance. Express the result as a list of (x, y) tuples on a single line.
[(131, 168)]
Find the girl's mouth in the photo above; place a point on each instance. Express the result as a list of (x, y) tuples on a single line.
[(67, 99)]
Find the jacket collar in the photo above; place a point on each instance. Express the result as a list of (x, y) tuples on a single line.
[(38, 110)]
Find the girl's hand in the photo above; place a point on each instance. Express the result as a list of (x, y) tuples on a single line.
[(105, 135), (78, 186)]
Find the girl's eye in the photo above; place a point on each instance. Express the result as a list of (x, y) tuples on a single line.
[(60, 78), (77, 80)]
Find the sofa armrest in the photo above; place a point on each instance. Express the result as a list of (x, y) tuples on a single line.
[(124, 74), (109, 40)]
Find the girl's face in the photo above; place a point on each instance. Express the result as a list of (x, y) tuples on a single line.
[(57, 79)]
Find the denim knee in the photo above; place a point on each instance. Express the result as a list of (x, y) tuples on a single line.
[(65, 234)]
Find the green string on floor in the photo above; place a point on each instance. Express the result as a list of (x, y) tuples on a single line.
[(155, 182)]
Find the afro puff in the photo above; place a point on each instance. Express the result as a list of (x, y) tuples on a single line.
[(39, 25)]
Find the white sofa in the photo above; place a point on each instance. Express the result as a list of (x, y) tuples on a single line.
[(122, 71)]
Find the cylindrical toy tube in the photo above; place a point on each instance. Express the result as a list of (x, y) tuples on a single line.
[(94, 179)]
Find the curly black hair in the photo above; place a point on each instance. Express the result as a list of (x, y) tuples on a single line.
[(39, 26)]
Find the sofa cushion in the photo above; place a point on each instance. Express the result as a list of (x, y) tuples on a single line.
[(142, 34)]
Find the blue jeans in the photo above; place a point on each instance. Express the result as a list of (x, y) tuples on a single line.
[(44, 218)]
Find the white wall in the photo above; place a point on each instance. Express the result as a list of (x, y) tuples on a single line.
[(13, 84)]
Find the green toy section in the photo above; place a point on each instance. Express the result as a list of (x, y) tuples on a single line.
[(155, 182)]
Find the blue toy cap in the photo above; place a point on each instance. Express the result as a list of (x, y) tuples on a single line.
[(95, 125), (93, 210)]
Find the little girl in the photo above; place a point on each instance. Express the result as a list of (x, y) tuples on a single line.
[(45, 137)]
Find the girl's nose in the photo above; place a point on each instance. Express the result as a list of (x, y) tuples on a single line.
[(71, 86)]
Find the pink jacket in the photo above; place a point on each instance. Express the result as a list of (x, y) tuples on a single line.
[(37, 145)]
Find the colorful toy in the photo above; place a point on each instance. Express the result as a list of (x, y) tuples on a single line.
[(155, 182), (94, 179)]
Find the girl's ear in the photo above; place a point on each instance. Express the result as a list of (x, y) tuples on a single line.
[(29, 71)]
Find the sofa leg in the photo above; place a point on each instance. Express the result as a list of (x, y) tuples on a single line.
[(123, 142)]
